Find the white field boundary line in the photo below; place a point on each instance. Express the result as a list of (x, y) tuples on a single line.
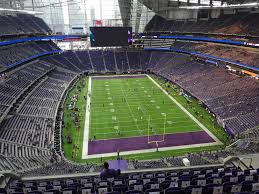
[(189, 114), (87, 119), (217, 142)]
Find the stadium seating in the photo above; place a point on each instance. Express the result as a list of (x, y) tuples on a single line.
[(18, 81), (204, 180), (109, 61), (238, 54), (236, 24), (13, 54), (134, 60), (29, 100), (122, 61), (18, 24), (97, 60)]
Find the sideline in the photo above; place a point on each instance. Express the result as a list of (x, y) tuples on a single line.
[(87, 120), (189, 114)]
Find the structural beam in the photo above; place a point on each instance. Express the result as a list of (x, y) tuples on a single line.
[(125, 9)]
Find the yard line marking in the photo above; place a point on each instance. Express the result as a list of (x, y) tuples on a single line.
[(132, 115), (114, 118), (87, 119), (153, 120), (175, 115), (143, 110)]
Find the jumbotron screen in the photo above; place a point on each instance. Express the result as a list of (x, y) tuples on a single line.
[(110, 36)]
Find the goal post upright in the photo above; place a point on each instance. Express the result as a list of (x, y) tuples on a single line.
[(148, 128), (164, 127), (164, 132)]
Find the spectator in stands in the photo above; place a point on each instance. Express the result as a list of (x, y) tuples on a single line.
[(109, 173)]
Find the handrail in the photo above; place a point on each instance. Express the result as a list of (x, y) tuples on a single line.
[(201, 39), (250, 159), (200, 33), (242, 163)]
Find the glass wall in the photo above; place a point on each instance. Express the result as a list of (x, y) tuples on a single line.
[(76, 16), (51, 12)]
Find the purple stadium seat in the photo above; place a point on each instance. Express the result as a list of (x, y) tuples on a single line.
[(120, 188), (52, 191), (194, 189), (250, 186), (133, 192), (103, 189), (151, 185), (198, 181), (136, 186), (153, 191), (35, 192), (175, 190), (231, 187), (213, 188)]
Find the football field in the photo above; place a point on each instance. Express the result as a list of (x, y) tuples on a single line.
[(133, 114)]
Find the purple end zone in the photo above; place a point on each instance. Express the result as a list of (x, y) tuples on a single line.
[(140, 143)]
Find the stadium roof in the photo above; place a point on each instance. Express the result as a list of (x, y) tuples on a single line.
[(168, 8), (197, 4), (125, 9), (11, 4), (61, 14)]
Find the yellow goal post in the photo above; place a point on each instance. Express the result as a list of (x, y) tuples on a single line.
[(163, 134)]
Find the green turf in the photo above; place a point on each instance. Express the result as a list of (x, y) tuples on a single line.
[(129, 107), (73, 151), (100, 106)]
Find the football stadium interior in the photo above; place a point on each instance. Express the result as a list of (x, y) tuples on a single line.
[(129, 96)]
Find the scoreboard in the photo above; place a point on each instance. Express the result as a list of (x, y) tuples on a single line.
[(110, 36)]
